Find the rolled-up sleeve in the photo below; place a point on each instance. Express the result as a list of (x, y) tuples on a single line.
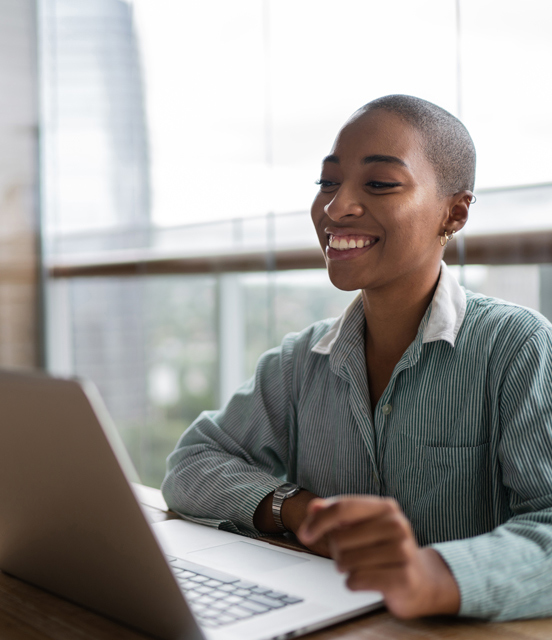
[(507, 573), (229, 460)]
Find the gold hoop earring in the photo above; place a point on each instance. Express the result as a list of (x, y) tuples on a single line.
[(446, 238)]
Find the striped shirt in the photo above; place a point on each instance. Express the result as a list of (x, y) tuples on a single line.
[(461, 438)]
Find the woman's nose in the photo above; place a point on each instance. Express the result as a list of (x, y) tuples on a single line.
[(344, 203)]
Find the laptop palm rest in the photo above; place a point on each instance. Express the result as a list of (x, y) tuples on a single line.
[(235, 556)]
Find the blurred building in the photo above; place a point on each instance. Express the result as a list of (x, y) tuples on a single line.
[(96, 186)]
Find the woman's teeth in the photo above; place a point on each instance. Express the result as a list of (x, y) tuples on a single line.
[(341, 244)]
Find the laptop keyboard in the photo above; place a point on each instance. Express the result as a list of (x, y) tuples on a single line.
[(217, 598)]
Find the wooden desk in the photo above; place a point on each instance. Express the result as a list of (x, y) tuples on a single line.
[(28, 613)]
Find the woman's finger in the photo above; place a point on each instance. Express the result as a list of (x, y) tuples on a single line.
[(337, 513), (390, 526), (391, 553)]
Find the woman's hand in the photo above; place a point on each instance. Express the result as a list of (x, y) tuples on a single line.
[(372, 541)]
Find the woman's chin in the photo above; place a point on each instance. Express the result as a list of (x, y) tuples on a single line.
[(344, 281)]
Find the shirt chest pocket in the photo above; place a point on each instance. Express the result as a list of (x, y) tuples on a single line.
[(455, 494)]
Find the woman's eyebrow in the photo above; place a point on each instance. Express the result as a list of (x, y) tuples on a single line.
[(332, 159), (380, 158), (369, 159)]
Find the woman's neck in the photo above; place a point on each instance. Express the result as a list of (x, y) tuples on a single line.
[(392, 320), (393, 315)]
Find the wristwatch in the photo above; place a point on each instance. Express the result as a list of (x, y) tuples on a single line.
[(283, 492)]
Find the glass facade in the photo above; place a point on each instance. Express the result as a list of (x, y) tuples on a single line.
[(178, 130)]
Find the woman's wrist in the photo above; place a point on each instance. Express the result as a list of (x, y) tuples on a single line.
[(445, 597), (294, 511)]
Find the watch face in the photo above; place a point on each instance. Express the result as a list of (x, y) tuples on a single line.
[(288, 489)]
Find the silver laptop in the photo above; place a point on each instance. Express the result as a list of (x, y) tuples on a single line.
[(70, 523)]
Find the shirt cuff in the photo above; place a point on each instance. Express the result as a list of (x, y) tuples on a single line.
[(251, 496), (466, 568)]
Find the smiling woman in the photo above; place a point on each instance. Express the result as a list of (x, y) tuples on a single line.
[(403, 429), (388, 186)]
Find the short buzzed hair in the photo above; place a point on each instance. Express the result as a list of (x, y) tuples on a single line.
[(447, 143)]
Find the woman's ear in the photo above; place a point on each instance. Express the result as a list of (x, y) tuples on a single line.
[(459, 210)]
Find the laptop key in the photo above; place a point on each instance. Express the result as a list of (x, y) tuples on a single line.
[(202, 589), (182, 573), (276, 594), (291, 600), (261, 590), (210, 624), (207, 614), (224, 618), (213, 583), (243, 584), (268, 602), (239, 613), (254, 606), (187, 586)]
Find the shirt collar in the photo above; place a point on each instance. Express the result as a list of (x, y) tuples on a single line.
[(325, 344), (448, 309)]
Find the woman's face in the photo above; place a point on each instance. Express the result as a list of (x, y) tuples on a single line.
[(378, 214)]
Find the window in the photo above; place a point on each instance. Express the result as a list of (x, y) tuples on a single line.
[(181, 142)]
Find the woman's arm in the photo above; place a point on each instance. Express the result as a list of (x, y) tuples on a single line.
[(507, 573), (229, 460)]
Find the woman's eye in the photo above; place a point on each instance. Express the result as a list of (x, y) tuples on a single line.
[(375, 184), (325, 184)]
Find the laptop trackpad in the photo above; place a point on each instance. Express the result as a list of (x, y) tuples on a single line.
[(237, 555)]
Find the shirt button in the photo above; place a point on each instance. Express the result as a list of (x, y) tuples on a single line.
[(386, 409)]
